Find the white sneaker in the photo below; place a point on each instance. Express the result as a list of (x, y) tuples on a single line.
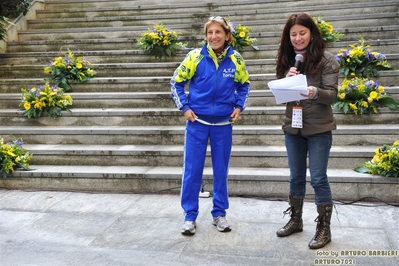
[(188, 228), (221, 224)]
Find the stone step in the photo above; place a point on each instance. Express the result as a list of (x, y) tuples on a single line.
[(259, 28), (257, 135), (123, 50), (133, 140), (189, 34), (254, 115), (173, 4), (110, 55), (153, 84), (247, 16), (259, 66), (145, 99), (125, 84), (346, 184), (172, 155), (202, 10), (255, 19), (127, 69)]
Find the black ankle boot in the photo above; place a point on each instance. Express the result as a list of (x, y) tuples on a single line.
[(323, 233), (295, 224)]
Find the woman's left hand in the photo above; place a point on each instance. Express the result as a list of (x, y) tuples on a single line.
[(312, 91)]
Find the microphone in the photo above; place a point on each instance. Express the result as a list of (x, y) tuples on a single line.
[(298, 60)]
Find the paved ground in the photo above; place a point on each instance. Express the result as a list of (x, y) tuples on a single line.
[(69, 228)]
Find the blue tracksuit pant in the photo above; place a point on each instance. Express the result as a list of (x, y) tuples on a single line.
[(196, 141)]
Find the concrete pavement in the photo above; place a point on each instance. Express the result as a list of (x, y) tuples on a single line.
[(71, 228)]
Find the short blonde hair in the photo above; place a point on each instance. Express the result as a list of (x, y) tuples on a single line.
[(222, 22)]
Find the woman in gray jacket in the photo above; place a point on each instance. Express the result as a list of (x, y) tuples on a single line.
[(308, 123)]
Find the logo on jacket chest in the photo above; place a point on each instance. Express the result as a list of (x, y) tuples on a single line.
[(229, 72)]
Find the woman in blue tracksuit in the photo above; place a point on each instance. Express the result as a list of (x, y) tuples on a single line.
[(218, 91)]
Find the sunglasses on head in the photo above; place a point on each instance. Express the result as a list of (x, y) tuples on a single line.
[(219, 18)]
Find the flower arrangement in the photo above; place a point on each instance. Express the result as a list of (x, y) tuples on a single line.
[(12, 156), (69, 67), (385, 161), (361, 61), (240, 37), (327, 30), (160, 41), (45, 100), (362, 95)]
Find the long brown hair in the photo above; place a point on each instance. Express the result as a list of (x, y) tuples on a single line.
[(314, 51)]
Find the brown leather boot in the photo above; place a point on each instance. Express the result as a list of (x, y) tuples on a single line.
[(323, 233), (295, 224)]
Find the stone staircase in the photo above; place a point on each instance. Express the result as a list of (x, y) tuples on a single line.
[(124, 133)]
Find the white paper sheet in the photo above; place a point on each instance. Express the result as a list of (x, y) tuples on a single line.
[(289, 89)]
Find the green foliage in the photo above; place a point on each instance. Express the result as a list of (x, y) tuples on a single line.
[(14, 8), (4, 22), (11, 9)]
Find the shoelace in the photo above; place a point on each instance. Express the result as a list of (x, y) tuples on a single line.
[(287, 211)]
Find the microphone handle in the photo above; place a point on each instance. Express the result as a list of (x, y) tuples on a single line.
[(297, 63)]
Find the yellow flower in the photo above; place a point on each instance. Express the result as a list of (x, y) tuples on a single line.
[(342, 96), (242, 34), (48, 70), (79, 65), (373, 95), (383, 157), (38, 105), (166, 42), (9, 167), (330, 27), (361, 87), (58, 62), (365, 104), (91, 72), (353, 106), (9, 152), (27, 106), (381, 89), (369, 99)]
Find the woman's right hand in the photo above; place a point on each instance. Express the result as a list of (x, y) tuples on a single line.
[(292, 72), (189, 115)]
